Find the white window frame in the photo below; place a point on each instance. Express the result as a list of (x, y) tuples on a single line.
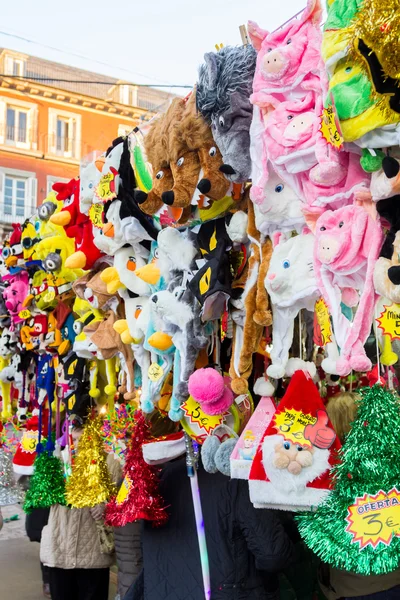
[(9, 63), (51, 180), (31, 123), (54, 114), (30, 194), (128, 94)]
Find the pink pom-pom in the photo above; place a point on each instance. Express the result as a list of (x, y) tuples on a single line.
[(206, 385)]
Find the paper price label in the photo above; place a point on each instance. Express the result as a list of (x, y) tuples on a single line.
[(323, 330), (389, 321), (155, 372), (124, 490), (329, 128), (24, 314), (29, 441), (105, 189), (96, 215), (374, 520), (291, 424), (195, 413)]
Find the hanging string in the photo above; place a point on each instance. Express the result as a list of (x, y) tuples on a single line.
[(300, 337), (378, 360)]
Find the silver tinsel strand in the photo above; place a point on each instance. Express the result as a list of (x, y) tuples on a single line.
[(10, 492)]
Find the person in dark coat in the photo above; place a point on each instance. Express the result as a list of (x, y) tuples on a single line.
[(246, 546)]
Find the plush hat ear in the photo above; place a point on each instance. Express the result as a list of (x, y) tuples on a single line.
[(210, 58), (223, 455), (256, 34), (208, 452)]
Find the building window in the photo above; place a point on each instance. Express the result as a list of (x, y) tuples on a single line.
[(64, 134), (18, 196), (128, 95), (14, 197), (17, 125), (14, 66), (51, 180)]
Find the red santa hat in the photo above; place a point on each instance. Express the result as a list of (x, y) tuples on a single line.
[(164, 449), (25, 454), (291, 469)]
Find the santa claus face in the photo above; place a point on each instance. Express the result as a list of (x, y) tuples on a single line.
[(292, 457), (291, 467)]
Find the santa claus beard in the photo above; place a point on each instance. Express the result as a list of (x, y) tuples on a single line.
[(281, 478)]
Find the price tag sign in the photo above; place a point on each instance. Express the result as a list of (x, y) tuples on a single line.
[(124, 490), (195, 413), (24, 314), (389, 321), (374, 520), (155, 372), (29, 441), (323, 329), (329, 128), (96, 215), (105, 189), (291, 424), (49, 296)]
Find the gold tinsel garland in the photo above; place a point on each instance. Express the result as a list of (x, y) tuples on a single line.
[(90, 482), (377, 24)]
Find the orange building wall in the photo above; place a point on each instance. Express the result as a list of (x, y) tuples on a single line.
[(98, 129)]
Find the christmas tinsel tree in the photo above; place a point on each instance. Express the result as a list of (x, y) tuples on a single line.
[(90, 482), (138, 497), (370, 463), (10, 492), (47, 486)]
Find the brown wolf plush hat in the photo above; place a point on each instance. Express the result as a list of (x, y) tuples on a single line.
[(157, 150)]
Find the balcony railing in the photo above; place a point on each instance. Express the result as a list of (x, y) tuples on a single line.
[(16, 134), (5, 218)]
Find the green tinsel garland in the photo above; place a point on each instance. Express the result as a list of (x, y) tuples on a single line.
[(47, 485), (370, 462)]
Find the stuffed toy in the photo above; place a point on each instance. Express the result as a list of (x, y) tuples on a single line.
[(254, 314), (178, 312), (156, 148), (77, 225), (15, 294), (385, 182), (288, 57), (291, 469), (207, 386), (387, 267), (375, 47), (292, 286), (222, 96), (89, 176), (347, 246), (14, 253), (30, 237)]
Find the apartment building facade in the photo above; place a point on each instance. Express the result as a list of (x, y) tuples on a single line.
[(52, 117)]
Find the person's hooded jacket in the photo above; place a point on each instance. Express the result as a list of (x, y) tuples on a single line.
[(246, 546)]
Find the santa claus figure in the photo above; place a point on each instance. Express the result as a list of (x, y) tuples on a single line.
[(291, 469)]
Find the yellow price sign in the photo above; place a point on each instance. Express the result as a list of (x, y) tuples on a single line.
[(105, 189), (29, 441), (155, 372), (25, 314), (50, 296), (96, 215), (324, 322), (196, 414), (291, 424), (389, 321), (329, 128), (374, 520), (124, 490)]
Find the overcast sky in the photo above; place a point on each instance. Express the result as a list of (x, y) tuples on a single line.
[(146, 41)]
